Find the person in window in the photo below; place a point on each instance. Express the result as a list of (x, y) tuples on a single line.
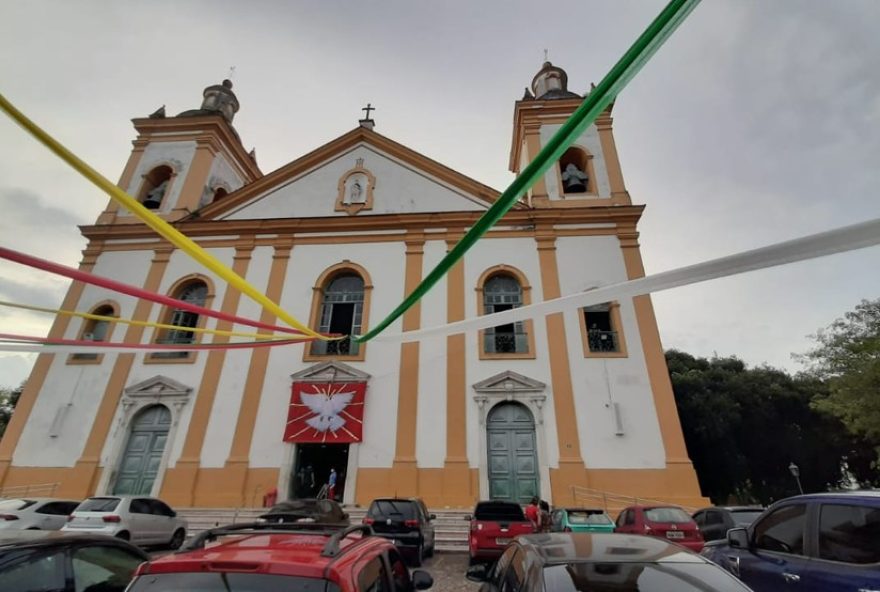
[(331, 484), (533, 513)]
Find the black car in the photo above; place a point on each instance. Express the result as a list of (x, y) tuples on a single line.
[(66, 562), (323, 511), (715, 522), (405, 522), (579, 561)]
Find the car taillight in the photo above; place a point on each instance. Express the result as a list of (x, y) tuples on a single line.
[(368, 520), (410, 522), (8, 517), (111, 518)]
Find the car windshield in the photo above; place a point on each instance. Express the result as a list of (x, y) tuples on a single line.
[(228, 582), (676, 515), (11, 505), (98, 504), (498, 511), (393, 508), (640, 577), (745, 517), (588, 517)]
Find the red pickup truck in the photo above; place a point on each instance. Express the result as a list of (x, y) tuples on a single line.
[(494, 524)]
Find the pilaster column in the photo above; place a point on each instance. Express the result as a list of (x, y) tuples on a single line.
[(612, 161)]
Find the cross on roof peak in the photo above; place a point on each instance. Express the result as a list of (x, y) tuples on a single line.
[(368, 108)]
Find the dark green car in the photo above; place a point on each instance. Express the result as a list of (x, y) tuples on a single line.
[(580, 520)]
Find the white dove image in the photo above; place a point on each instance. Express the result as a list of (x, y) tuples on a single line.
[(327, 409)]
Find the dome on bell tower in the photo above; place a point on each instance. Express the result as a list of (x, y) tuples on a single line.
[(218, 99), (551, 82)]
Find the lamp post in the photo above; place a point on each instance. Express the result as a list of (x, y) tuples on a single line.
[(796, 473)]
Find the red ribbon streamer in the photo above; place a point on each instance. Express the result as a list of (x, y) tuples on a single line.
[(95, 280)]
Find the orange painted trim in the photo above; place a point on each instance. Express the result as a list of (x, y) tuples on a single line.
[(195, 182), (612, 161), (616, 322), (408, 386), (108, 216), (352, 209), (527, 300), (456, 363)]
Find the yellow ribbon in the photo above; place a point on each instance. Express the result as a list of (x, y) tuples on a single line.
[(164, 229)]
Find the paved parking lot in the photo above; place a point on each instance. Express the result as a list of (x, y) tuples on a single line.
[(448, 570)]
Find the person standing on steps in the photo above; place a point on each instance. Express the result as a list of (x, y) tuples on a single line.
[(331, 484)]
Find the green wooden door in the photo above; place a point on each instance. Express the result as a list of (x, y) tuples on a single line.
[(143, 452), (513, 458)]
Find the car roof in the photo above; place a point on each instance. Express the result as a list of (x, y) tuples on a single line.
[(46, 538), (870, 494), (734, 508), (287, 549), (39, 500), (582, 547), (582, 509), (397, 499)]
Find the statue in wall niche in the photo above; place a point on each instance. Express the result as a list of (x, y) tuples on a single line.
[(356, 195), (574, 180), (154, 196)]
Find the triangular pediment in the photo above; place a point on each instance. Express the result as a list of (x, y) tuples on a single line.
[(158, 386), (331, 371), (509, 382), (395, 180)]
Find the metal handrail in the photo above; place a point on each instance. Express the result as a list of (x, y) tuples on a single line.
[(586, 493), (42, 490)]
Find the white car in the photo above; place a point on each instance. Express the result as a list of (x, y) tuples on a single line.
[(141, 520), (35, 513)]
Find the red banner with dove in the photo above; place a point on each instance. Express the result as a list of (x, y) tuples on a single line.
[(326, 413)]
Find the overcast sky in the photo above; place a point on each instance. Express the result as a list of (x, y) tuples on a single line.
[(756, 122)]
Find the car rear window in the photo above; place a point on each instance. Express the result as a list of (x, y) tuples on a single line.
[(11, 505), (587, 517), (745, 517), (676, 515), (98, 504), (393, 508), (228, 582), (635, 577), (498, 511)]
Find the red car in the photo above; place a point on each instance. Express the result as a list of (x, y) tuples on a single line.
[(493, 526), (311, 557), (667, 522)]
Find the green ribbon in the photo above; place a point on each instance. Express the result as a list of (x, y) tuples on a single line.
[(599, 98)]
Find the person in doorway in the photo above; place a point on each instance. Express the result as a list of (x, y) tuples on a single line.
[(331, 484), (533, 513)]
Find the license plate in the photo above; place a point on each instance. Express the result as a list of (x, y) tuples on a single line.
[(674, 534), (502, 541)]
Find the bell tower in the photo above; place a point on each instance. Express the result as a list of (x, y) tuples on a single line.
[(588, 173), (180, 164)]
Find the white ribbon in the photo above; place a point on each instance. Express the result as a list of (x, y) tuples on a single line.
[(847, 238)]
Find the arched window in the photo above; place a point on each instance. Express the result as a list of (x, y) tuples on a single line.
[(503, 292), (96, 330), (155, 187), (576, 171), (342, 311), (194, 292)]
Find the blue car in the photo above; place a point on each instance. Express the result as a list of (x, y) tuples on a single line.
[(823, 542)]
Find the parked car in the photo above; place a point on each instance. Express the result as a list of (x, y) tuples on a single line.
[(283, 556), (667, 522), (141, 520), (35, 513), (580, 520), (578, 562), (828, 542), (406, 523), (715, 522), (324, 511), (494, 524), (55, 561)]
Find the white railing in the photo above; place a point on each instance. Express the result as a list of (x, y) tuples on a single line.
[(604, 499), (39, 490)]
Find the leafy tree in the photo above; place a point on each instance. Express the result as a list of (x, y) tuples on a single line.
[(8, 400), (847, 357), (744, 426)]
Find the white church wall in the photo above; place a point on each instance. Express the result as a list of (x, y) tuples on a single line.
[(589, 140), (178, 155), (431, 415), (384, 262), (601, 382), (399, 189), (221, 174), (234, 372)]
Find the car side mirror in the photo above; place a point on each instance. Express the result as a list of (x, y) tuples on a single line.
[(738, 538), (478, 572), (432, 516), (422, 580)]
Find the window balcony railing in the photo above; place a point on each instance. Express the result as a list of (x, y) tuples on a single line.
[(173, 355), (603, 341), (342, 347), (506, 343)]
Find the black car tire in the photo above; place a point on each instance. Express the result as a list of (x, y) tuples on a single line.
[(419, 555), (177, 539)]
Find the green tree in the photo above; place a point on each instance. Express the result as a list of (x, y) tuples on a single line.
[(8, 400), (847, 357)]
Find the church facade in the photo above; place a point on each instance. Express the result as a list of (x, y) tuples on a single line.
[(575, 402)]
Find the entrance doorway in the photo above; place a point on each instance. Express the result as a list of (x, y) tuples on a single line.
[(513, 457), (311, 469), (143, 452)]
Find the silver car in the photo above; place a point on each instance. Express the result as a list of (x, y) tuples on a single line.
[(35, 513), (141, 520)]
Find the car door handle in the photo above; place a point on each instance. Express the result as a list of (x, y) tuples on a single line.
[(791, 578)]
